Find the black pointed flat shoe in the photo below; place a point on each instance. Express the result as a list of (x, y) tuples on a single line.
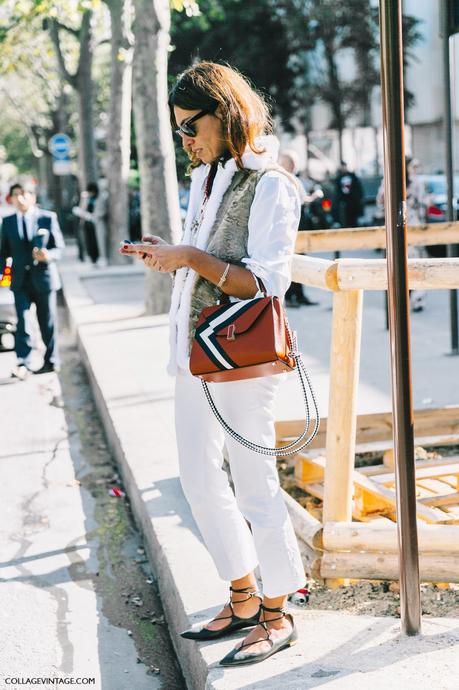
[(236, 622), (237, 657)]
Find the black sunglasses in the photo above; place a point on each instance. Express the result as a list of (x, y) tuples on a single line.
[(187, 128)]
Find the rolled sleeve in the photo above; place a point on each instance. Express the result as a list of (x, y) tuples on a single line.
[(273, 225)]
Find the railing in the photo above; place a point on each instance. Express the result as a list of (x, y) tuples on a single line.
[(374, 237), (347, 279)]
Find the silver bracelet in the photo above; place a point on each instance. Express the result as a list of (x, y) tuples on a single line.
[(223, 276)]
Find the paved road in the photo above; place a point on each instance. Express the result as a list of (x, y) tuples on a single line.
[(78, 598)]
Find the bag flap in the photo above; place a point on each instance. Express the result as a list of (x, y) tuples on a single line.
[(241, 322)]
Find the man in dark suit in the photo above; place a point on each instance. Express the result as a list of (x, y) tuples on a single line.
[(33, 239)]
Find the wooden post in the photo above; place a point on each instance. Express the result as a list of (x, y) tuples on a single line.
[(341, 426), (438, 567), (367, 536)]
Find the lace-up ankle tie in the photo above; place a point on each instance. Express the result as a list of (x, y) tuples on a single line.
[(237, 657), (235, 622)]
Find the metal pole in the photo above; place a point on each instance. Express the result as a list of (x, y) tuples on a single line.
[(399, 313), (451, 211)]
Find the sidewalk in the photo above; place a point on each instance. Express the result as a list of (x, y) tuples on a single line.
[(125, 354), (58, 550)]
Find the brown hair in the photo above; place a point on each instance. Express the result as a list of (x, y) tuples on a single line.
[(243, 112)]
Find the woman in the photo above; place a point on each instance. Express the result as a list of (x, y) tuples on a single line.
[(416, 215), (416, 205), (240, 228)]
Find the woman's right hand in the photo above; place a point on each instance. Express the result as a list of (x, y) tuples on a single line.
[(141, 248), (153, 239)]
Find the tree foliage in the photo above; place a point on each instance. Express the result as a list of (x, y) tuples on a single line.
[(30, 78), (250, 36), (298, 52)]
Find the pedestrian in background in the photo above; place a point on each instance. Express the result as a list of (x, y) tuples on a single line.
[(288, 159), (349, 197), (135, 215), (416, 206), (92, 213), (32, 238)]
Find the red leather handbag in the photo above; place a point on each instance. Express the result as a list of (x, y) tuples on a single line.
[(248, 339), (241, 340)]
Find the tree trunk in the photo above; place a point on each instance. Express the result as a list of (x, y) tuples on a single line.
[(60, 183), (335, 91), (340, 144), (158, 177), (119, 133), (88, 170), (46, 177), (82, 83)]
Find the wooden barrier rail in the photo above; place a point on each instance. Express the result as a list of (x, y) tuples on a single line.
[(363, 536), (347, 279), (371, 274), (374, 431), (310, 241), (384, 566)]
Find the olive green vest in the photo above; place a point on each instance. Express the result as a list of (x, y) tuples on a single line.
[(228, 236)]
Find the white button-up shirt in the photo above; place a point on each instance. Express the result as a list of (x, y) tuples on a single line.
[(30, 224), (31, 218), (273, 225)]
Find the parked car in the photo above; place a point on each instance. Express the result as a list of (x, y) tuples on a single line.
[(436, 190), (435, 186), (372, 214), (436, 201), (7, 314), (7, 311), (370, 186)]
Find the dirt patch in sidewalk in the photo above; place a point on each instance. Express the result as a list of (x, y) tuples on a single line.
[(124, 582)]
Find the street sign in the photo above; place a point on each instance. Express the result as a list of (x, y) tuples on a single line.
[(59, 147), (62, 167)]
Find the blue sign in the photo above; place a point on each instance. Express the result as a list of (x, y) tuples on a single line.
[(59, 147)]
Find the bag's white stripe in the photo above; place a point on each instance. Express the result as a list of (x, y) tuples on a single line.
[(205, 335)]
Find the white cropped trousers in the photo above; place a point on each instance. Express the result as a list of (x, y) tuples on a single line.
[(221, 515)]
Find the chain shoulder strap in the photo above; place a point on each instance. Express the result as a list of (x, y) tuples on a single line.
[(293, 447)]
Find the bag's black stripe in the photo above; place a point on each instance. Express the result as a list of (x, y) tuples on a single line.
[(211, 355), (239, 313), (214, 340), (213, 337), (230, 319), (215, 314)]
